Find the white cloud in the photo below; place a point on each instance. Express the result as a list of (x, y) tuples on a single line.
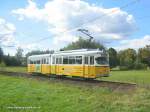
[(7, 32), (28, 47), (8, 40), (63, 15), (134, 43)]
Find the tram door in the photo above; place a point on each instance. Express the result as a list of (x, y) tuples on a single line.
[(86, 66), (58, 65), (53, 66)]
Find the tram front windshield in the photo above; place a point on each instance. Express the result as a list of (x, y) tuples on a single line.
[(101, 60)]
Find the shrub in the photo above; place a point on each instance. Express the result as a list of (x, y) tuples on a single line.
[(140, 66), (2, 64), (123, 67)]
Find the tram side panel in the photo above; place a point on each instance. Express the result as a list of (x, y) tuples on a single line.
[(31, 68), (95, 71), (53, 69), (34, 68), (45, 69), (69, 70), (59, 70), (89, 71), (73, 70), (102, 71)]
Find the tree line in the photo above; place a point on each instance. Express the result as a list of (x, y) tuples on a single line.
[(18, 59), (130, 58), (7, 60), (123, 59)]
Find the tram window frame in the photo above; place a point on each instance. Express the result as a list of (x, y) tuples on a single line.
[(92, 61), (65, 60), (42, 61), (86, 60), (79, 60), (72, 59)]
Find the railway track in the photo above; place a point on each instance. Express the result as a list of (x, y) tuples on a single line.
[(121, 86)]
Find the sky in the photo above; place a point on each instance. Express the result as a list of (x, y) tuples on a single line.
[(53, 24)]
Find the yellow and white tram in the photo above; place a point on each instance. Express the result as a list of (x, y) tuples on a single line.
[(87, 63)]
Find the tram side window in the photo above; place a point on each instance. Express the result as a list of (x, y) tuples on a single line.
[(44, 60), (72, 60), (91, 60), (86, 60), (78, 59), (53, 61), (30, 62), (34, 62), (65, 60), (38, 62), (57, 60), (47, 60)]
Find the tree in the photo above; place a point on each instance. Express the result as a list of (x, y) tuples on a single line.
[(19, 56), (84, 44), (19, 53), (113, 59), (127, 58), (144, 55), (11, 61), (1, 54)]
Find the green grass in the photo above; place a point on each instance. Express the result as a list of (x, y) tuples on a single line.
[(52, 96), (14, 69), (141, 77)]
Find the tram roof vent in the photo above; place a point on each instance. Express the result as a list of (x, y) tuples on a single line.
[(78, 50)]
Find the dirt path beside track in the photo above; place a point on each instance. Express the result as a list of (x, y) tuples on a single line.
[(114, 86)]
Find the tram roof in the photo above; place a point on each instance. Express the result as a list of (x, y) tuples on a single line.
[(79, 52), (39, 56), (69, 52)]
